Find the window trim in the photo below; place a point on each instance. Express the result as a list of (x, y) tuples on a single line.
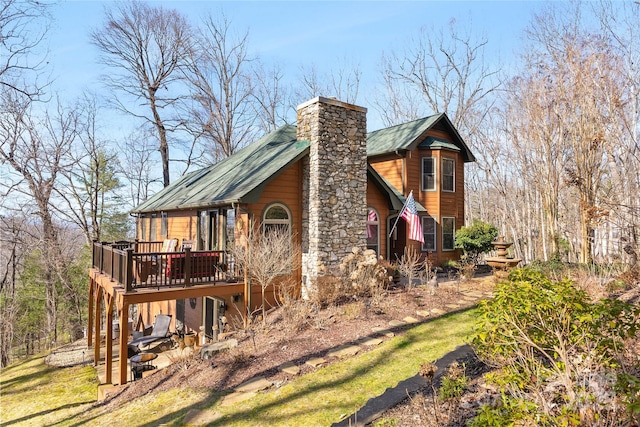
[(164, 225), (453, 233), (453, 176), (434, 234), (288, 221), (153, 228), (434, 165)]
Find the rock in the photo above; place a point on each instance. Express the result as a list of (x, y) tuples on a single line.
[(370, 342), (208, 351), (316, 361), (254, 384), (289, 368), (396, 323), (344, 351), (383, 331)]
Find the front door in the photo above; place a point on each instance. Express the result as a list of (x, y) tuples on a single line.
[(397, 240)]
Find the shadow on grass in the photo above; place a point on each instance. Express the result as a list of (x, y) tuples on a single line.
[(20, 380), (45, 412), (302, 390)]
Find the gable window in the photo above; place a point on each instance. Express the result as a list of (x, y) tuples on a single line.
[(448, 174), (276, 216), (164, 225), (428, 173), (448, 233), (373, 230), (429, 232)]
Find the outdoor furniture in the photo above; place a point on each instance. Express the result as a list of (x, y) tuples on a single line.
[(140, 363), (160, 332), (202, 264)]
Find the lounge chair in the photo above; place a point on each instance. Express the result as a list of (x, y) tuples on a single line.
[(159, 333)]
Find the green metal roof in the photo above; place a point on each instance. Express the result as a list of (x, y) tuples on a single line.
[(437, 144), (407, 136), (243, 176), (396, 198), (238, 178)]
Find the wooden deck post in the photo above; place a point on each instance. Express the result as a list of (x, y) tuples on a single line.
[(96, 323), (128, 273), (92, 285), (108, 356), (123, 306), (187, 267)]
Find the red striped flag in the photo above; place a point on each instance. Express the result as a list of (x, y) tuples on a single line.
[(410, 214)]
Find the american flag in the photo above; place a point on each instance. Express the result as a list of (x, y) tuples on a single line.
[(410, 214)]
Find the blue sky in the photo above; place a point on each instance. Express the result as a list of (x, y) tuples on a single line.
[(293, 33)]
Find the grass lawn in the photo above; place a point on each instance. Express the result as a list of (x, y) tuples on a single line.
[(328, 394), (33, 394)]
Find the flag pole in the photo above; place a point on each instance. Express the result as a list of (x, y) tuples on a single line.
[(400, 213)]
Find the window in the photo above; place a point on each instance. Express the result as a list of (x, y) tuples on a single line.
[(276, 216), (428, 174), (448, 174), (207, 230), (429, 232), (373, 231), (152, 228), (143, 227), (448, 233), (164, 225)]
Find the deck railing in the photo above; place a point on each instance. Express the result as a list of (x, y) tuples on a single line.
[(141, 265)]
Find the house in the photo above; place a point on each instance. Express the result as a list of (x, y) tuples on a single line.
[(327, 181), (332, 184)]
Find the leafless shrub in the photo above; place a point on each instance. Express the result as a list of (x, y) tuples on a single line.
[(268, 257), (409, 265)]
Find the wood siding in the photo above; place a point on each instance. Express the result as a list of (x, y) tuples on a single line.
[(438, 203)]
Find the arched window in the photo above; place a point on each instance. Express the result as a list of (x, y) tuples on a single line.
[(276, 216), (373, 230)]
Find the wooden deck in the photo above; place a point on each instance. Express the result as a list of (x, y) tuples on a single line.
[(176, 275)]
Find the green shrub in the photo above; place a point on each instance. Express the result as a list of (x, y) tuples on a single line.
[(553, 347), (475, 239)]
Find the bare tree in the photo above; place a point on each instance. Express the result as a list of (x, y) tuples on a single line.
[(449, 72), (576, 86), (342, 82), (220, 111), (23, 26), (36, 149), (137, 166), (268, 256), (90, 194), (271, 98), (144, 48)]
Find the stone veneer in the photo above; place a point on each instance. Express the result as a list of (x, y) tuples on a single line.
[(334, 185)]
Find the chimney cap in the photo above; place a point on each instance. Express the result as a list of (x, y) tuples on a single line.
[(331, 101)]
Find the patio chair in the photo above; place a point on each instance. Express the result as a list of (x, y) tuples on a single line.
[(159, 333)]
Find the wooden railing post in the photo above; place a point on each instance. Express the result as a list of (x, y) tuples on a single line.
[(101, 257), (187, 266), (128, 272)]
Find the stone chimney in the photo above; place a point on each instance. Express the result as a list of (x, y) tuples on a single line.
[(334, 185)]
